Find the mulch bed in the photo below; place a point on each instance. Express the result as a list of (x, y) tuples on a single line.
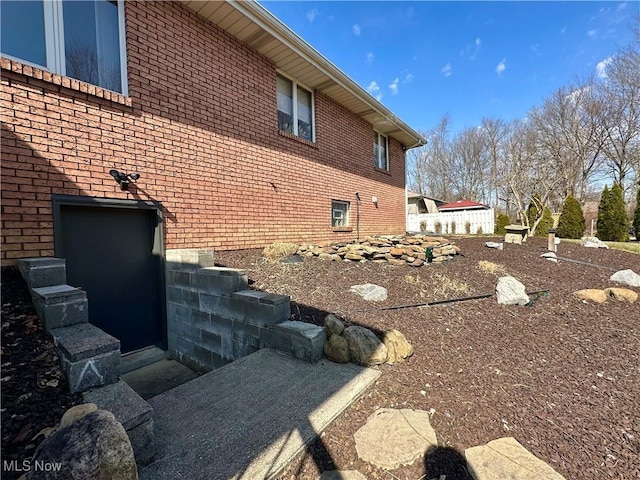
[(35, 393), (561, 376)]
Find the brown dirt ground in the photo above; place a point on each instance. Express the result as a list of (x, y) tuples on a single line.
[(561, 376)]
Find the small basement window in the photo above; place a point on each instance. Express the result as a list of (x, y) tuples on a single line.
[(339, 213)]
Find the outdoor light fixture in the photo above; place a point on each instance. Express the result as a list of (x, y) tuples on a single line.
[(123, 178)]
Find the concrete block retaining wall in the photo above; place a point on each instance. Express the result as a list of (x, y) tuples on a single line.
[(213, 318)]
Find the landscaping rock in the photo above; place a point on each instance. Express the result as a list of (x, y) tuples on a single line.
[(591, 295), (510, 291), (592, 242), (336, 349), (76, 413), (364, 347), (496, 245), (398, 348), (550, 256), (392, 438), (95, 446), (622, 294), (370, 292), (333, 325), (626, 277), (506, 458)]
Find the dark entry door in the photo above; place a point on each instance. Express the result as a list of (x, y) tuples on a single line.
[(109, 254)]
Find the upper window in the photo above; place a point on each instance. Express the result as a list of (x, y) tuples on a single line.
[(79, 39), (380, 151), (295, 108)]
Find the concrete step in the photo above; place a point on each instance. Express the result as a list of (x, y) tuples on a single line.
[(141, 358), (43, 271), (261, 308), (60, 305), (89, 356), (134, 413), (250, 418)]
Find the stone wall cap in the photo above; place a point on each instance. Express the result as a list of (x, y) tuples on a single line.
[(82, 341)]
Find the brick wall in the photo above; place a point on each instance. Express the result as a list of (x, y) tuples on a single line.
[(200, 126)]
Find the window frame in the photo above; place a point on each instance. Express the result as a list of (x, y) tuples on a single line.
[(347, 209), (55, 45), (376, 159), (294, 97)]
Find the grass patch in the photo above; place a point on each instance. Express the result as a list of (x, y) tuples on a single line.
[(491, 268), (278, 250), (633, 247), (439, 286)]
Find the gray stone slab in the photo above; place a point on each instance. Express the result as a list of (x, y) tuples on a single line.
[(307, 340), (96, 371), (143, 443), (27, 264), (62, 314), (53, 273), (250, 418), (84, 341), (129, 408), (58, 294)]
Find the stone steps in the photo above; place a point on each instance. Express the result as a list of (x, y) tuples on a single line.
[(90, 357)]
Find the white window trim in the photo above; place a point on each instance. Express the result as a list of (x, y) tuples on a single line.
[(54, 43), (386, 151), (295, 84), (334, 210)]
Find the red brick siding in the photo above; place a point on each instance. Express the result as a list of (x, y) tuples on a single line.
[(200, 126)]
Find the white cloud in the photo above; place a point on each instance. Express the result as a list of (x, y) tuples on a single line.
[(501, 67), (374, 89), (370, 57), (447, 70), (563, 30), (394, 86), (601, 67), (622, 6), (408, 78), (478, 42), (356, 30), (592, 33), (312, 14)]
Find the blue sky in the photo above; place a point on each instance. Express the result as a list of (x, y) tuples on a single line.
[(466, 59)]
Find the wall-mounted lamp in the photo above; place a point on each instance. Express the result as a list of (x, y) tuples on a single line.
[(123, 178), (374, 200)]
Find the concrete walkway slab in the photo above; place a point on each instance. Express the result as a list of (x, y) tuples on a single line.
[(250, 418)]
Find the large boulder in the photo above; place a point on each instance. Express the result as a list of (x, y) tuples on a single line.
[(336, 349), (364, 347), (626, 277), (591, 295), (593, 242), (398, 348), (76, 413), (511, 292), (622, 294), (94, 447), (371, 292), (333, 325)]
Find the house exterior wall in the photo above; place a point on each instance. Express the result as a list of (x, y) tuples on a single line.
[(200, 126)]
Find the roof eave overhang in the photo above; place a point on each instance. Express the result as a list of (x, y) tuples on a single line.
[(254, 25)]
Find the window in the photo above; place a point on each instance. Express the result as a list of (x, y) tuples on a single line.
[(380, 151), (79, 39), (295, 108), (339, 214)]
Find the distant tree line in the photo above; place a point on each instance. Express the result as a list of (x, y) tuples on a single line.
[(584, 136)]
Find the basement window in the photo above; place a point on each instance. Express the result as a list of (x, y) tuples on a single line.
[(339, 214), (78, 39), (295, 108)]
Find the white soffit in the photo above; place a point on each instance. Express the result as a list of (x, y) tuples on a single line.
[(253, 25)]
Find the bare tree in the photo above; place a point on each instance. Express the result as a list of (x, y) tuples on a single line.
[(427, 171), (620, 113), (468, 165)]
